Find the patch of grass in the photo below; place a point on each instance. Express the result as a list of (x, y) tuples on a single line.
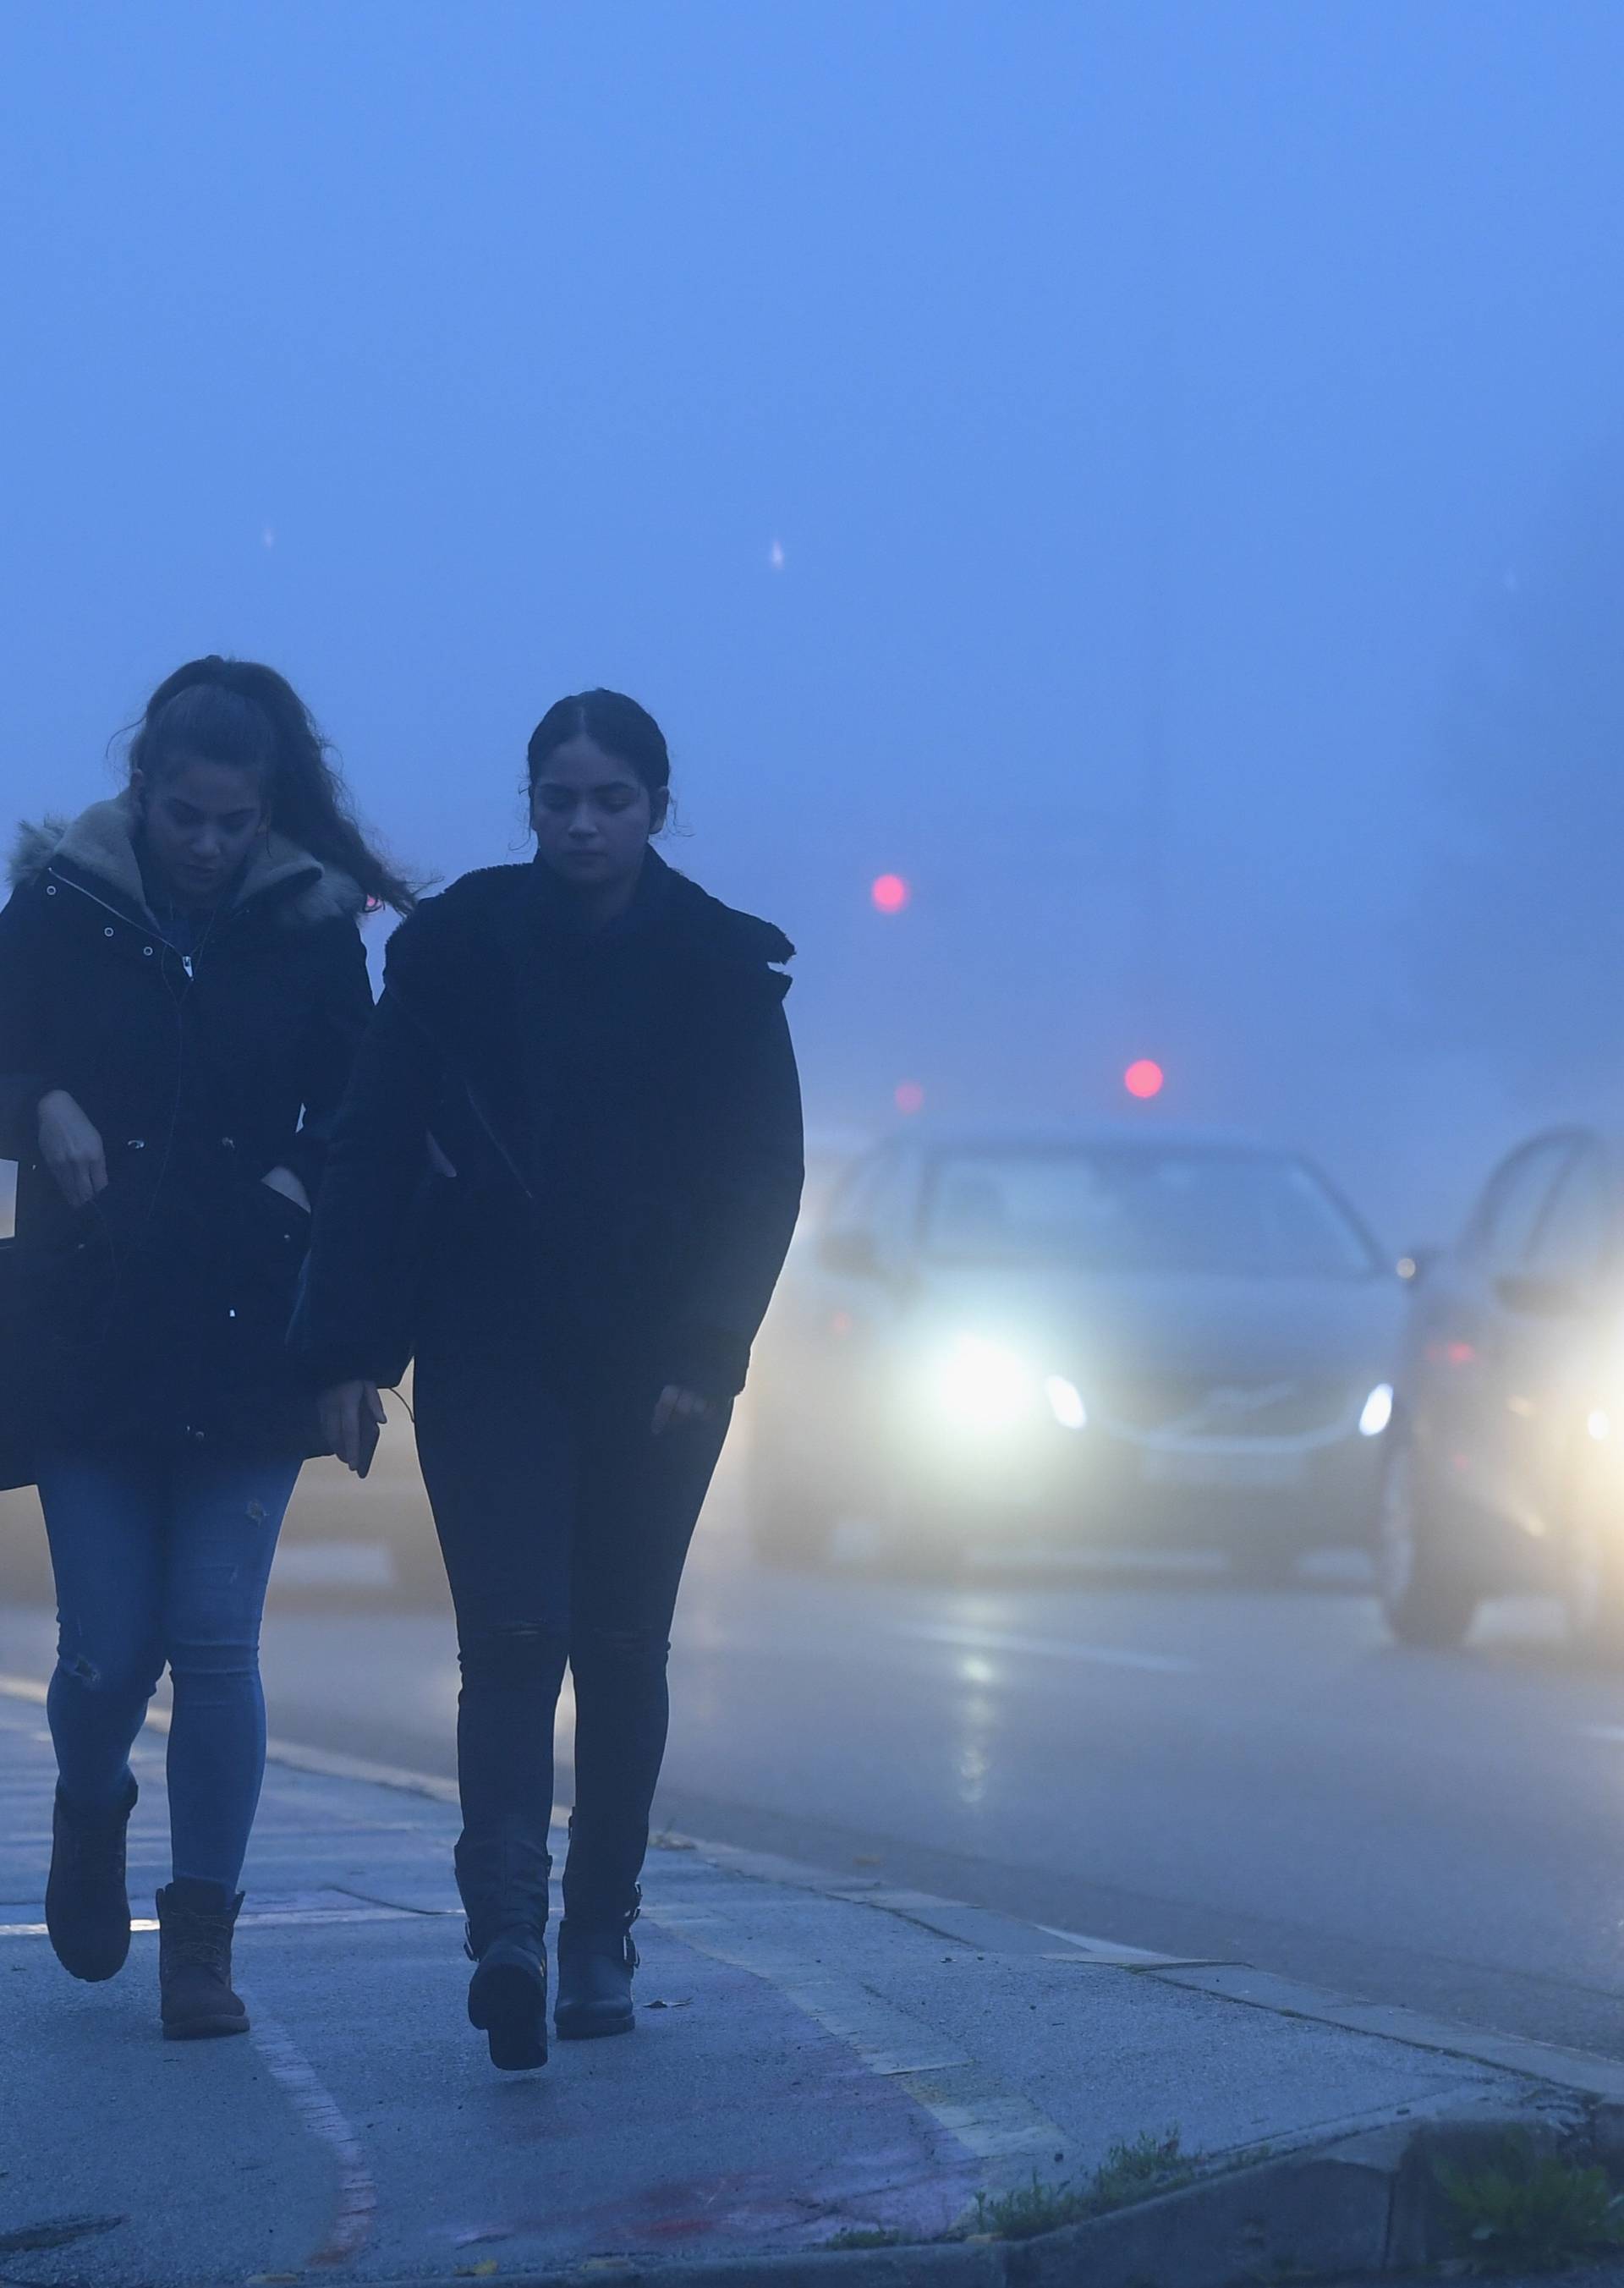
[(1134, 2172), (1130, 2171), (1026, 2211), (1530, 2211)]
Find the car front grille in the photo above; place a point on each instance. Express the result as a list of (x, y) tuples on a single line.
[(1191, 1406)]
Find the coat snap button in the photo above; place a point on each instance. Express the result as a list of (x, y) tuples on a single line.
[(198, 1435), (146, 949), (135, 1144), (51, 889), (108, 931), (228, 1143)]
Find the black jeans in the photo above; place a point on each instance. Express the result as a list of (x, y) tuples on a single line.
[(564, 1525)]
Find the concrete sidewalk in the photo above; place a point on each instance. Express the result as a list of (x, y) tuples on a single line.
[(814, 2056)]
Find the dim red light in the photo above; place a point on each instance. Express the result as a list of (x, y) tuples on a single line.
[(890, 893), (1144, 1078), (910, 1096)]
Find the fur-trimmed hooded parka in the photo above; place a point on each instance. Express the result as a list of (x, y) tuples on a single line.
[(161, 1305)]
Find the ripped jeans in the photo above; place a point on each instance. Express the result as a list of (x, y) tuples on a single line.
[(165, 1558), (565, 1525)]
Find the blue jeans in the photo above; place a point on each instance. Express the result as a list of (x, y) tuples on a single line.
[(161, 1557)]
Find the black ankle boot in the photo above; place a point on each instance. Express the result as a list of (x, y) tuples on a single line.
[(87, 1904), (507, 1999), (595, 1963), (195, 1922), (504, 1885)]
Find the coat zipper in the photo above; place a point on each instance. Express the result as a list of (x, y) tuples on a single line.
[(119, 914)]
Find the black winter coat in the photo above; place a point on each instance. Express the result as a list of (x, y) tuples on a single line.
[(622, 1115), (161, 1307)]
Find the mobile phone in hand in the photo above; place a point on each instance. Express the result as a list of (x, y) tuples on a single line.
[(368, 1441)]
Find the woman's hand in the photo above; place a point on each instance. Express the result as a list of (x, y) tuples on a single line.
[(351, 1413), (675, 1406), (284, 1181), (70, 1145)]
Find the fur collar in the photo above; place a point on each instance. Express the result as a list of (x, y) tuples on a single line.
[(100, 842)]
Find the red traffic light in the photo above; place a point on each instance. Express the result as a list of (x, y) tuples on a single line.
[(890, 893), (1144, 1078)]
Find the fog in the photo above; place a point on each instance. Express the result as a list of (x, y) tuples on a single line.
[(1147, 475)]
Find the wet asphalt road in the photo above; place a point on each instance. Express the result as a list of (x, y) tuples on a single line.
[(1145, 1755)]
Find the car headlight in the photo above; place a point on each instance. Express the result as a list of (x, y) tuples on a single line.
[(983, 1386), (1378, 1411), (1065, 1402)]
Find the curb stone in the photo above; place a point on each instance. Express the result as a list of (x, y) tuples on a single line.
[(1366, 2205), (960, 2265)]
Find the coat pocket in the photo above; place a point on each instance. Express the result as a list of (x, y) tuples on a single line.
[(251, 1388), (270, 1240)]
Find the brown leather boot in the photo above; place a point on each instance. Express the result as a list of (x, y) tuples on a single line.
[(195, 1921)]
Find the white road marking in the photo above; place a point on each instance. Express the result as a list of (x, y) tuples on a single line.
[(997, 2124), (41, 1930), (272, 1918), (972, 1640), (357, 2202), (325, 1761), (336, 1564), (328, 1764), (1109, 1952)]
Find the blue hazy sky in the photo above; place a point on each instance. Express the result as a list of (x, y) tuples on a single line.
[(1115, 382)]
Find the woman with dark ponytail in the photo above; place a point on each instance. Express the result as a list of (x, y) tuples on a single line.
[(182, 988), (580, 1258)]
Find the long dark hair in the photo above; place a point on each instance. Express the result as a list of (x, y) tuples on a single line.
[(612, 721), (236, 711)]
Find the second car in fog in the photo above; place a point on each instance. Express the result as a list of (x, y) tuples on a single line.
[(1507, 1462), (1108, 1338)]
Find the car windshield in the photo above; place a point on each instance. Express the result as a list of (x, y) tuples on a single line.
[(1138, 1209)]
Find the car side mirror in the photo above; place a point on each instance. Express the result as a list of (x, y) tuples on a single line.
[(851, 1252), (1541, 1298)]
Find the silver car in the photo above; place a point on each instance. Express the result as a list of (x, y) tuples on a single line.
[(1120, 1336)]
